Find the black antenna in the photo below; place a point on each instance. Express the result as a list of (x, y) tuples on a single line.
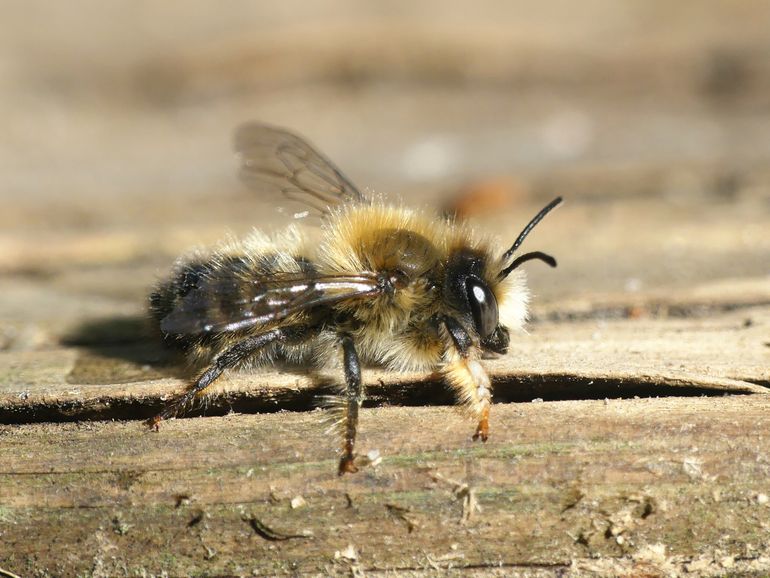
[(546, 258), (523, 235), (539, 217)]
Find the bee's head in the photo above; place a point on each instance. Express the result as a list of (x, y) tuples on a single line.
[(469, 291), (470, 286)]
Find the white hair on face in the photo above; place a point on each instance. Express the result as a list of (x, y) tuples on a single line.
[(513, 300)]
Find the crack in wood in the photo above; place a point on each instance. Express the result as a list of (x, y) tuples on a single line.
[(507, 389)]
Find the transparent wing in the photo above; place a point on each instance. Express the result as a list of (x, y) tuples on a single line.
[(274, 157), (227, 303)]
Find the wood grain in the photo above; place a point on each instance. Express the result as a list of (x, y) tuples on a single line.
[(622, 483)]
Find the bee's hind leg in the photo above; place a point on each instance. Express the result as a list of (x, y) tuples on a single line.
[(354, 397), (225, 360)]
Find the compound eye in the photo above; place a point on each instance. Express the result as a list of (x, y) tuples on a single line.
[(483, 307)]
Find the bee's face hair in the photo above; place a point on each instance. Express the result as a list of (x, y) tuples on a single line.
[(520, 239)]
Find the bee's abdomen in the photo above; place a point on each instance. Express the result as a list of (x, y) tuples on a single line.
[(204, 301), (168, 294)]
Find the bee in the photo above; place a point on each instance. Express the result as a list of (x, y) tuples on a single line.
[(386, 285)]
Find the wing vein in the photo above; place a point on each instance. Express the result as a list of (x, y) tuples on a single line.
[(300, 172)]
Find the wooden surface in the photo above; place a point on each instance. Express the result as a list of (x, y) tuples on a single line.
[(617, 485), (629, 434)]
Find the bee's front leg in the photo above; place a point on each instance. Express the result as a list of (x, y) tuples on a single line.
[(354, 397), (467, 376)]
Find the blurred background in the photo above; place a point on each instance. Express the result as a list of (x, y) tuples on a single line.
[(651, 118)]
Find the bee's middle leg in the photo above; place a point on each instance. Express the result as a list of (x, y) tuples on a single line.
[(354, 397)]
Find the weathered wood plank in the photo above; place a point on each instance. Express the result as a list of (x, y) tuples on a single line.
[(655, 485)]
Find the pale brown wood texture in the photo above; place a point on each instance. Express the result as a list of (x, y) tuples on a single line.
[(630, 430), (617, 485)]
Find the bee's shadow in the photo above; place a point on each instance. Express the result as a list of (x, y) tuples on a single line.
[(120, 350)]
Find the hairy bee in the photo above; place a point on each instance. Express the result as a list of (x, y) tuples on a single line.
[(386, 285)]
